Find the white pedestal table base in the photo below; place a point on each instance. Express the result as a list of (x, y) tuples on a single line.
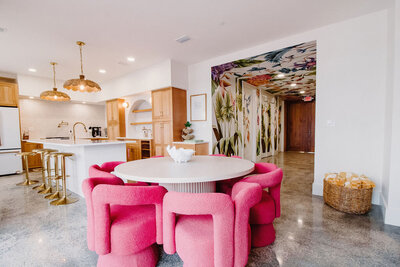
[(199, 187)]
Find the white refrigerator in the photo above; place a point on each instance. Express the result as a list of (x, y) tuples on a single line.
[(10, 141)]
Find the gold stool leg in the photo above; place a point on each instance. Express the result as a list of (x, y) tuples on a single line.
[(42, 186), (27, 180), (55, 195), (49, 188), (64, 200)]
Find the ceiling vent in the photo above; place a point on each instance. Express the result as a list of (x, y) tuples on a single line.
[(183, 39)]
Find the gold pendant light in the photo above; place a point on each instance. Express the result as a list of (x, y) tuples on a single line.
[(54, 95), (81, 84)]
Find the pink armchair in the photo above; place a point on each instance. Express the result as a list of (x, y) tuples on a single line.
[(263, 214), (203, 233), (218, 155), (87, 187), (128, 223)]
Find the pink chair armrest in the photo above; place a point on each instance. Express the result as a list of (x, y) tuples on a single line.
[(106, 195), (264, 167), (218, 205), (110, 166), (271, 180), (245, 196), (87, 187), (218, 155)]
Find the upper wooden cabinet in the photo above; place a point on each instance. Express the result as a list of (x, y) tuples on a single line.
[(8, 94), (115, 119), (169, 117), (163, 98)]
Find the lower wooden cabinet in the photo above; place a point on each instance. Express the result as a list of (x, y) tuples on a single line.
[(139, 149), (199, 148), (133, 151), (162, 137), (33, 161)]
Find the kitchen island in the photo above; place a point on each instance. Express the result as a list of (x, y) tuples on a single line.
[(86, 153)]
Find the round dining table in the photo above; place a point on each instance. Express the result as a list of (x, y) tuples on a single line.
[(199, 175)]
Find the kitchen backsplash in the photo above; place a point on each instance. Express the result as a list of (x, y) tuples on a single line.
[(41, 118)]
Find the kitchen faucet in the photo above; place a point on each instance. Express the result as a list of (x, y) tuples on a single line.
[(73, 128)]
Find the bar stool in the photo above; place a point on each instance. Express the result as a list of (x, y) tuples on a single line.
[(42, 151), (24, 156), (46, 162), (56, 177), (64, 200)]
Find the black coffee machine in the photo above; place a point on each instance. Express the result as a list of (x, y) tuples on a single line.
[(96, 131)]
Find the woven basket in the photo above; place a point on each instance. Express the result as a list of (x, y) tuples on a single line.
[(349, 200)]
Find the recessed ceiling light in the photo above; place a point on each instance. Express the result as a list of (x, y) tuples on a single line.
[(293, 84), (130, 59), (32, 70), (281, 75), (31, 97), (302, 92), (83, 102), (102, 71), (183, 39)]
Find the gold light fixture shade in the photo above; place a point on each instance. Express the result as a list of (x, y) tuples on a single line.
[(82, 84), (54, 95)]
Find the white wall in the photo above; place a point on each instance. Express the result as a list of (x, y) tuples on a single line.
[(391, 192), (42, 117), (153, 77), (350, 92)]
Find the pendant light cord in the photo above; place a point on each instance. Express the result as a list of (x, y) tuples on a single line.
[(54, 75), (80, 50)]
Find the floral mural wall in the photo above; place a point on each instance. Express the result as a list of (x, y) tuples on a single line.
[(246, 98)]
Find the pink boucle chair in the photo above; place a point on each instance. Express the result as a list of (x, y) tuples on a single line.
[(225, 186), (218, 155), (262, 215), (128, 223), (203, 233)]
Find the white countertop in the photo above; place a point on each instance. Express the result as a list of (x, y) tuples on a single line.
[(190, 143), (78, 142), (199, 169)]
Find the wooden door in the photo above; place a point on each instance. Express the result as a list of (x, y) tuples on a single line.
[(8, 94), (300, 126)]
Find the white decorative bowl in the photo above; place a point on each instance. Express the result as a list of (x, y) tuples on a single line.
[(180, 155)]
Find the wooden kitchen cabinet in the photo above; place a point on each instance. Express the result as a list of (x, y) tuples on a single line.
[(8, 94), (133, 151), (169, 117), (162, 133), (199, 148), (33, 161), (139, 149), (115, 118)]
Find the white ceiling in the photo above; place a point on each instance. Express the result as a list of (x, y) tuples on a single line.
[(46, 30)]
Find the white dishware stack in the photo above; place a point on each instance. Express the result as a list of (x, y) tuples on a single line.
[(180, 155)]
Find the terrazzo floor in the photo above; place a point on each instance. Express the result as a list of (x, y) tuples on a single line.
[(309, 233)]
